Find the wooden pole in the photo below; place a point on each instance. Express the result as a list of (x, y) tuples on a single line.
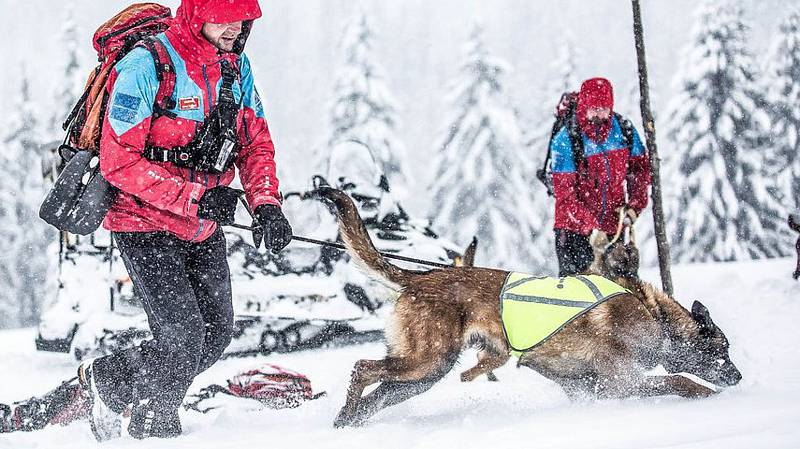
[(655, 162)]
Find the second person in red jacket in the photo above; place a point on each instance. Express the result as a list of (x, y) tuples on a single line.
[(599, 165)]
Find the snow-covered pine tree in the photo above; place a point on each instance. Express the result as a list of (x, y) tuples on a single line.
[(720, 205), (71, 79), (363, 109), (482, 186), (564, 72), (24, 237), (783, 79), (9, 309)]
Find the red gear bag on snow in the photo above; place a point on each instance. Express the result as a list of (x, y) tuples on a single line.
[(271, 385)]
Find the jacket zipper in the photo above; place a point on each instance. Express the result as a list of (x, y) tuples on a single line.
[(605, 187), (208, 89)]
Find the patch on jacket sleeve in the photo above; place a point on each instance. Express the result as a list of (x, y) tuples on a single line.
[(189, 103), (125, 108)]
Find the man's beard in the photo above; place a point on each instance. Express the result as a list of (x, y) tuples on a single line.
[(226, 44), (597, 121)]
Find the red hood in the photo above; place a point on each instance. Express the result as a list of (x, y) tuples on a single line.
[(595, 93), (192, 14)]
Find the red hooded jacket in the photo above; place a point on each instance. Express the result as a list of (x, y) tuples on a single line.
[(160, 196), (612, 173)]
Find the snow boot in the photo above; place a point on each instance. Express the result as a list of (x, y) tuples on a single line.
[(106, 423), (150, 420), (6, 421)]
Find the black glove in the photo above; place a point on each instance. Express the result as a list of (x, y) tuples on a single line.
[(277, 230), (219, 204)]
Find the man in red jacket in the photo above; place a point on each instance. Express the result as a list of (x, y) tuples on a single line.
[(599, 166), (172, 168)]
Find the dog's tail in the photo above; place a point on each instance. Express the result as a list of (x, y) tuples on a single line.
[(357, 240)]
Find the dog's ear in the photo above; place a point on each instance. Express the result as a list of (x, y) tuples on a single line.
[(702, 316), (794, 222), (469, 253)]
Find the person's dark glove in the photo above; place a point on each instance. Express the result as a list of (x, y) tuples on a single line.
[(219, 204), (276, 228)]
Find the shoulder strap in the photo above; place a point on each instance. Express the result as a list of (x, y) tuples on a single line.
[(627, 130), (165, 72), (576, 139), (557, 125)]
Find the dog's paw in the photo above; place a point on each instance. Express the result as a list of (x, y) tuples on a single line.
[(343, 419), (703, 392)]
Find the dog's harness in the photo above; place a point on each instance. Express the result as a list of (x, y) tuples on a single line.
[(534, 308)]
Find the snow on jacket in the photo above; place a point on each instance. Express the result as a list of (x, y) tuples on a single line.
[(590, 200), (156, 196)]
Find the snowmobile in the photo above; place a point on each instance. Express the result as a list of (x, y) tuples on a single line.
[(306, 297)]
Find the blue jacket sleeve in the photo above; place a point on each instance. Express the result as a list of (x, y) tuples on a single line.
[(561, 150)]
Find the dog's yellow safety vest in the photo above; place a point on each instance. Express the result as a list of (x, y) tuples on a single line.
[(534, 308)]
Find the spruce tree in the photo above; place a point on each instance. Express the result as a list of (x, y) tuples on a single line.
[(483, 185), (565, 69), (364, 110), (720, 204), (71, 79), (25, 238), (783, 76)]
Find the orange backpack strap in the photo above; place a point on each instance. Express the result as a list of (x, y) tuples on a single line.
[(165, 72)]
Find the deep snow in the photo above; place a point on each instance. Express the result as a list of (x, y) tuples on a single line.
[(755, 303)]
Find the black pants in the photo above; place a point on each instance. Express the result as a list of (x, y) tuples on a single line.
[(574, 252), (186, 292)]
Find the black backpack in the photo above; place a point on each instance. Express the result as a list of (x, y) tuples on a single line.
[(566, 116)]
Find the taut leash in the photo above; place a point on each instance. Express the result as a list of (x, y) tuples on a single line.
[(341, 247)]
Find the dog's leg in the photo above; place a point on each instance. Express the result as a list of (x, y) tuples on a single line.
[(487, 362), (365, 373), (673, 385), (578, 388), (424, 340), (391, 393), (648, 386)]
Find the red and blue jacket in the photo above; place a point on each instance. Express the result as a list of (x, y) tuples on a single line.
[(589, 197), (160, 196)]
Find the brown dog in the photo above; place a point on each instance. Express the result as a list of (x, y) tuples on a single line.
[(605, 353)]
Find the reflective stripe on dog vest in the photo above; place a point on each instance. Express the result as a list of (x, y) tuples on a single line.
[(533, 308)]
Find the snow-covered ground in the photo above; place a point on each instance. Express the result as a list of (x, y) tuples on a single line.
[(756, 304)]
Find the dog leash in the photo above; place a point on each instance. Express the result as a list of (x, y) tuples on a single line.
[(341, 247), (257, 229), (621, 225)]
